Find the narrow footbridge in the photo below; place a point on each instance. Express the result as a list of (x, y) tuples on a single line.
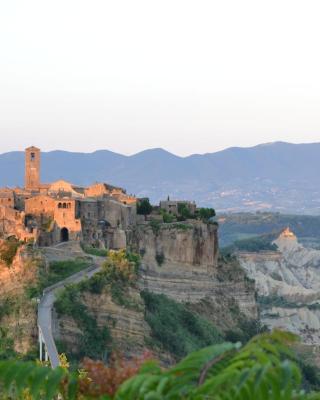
[(47, 347)]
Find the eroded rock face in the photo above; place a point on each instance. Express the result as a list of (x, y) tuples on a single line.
[(288, 283), (181, 261), (127, 325), (194, 244), (20, 316)]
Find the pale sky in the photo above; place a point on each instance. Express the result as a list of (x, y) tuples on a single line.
[(188, 76)]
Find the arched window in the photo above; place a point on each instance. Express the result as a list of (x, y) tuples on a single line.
[(60, 205), (64, 205)]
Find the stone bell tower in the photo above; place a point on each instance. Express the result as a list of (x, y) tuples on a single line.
[(32, 168)]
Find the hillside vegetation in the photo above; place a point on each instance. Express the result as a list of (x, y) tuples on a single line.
[(174, 328)]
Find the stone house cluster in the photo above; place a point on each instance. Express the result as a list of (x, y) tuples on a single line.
[(60, 211)]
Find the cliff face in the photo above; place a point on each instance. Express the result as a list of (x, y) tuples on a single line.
[(288, 283), (19, 313), (127, 326), (194, 244), (181, 261)]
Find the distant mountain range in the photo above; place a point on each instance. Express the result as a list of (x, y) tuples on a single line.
[(277, 176)]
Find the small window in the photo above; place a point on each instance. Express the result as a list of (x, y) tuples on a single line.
[(32, 156), (60, 205), (64, 205)]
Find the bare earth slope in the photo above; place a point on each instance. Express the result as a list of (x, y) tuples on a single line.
[(288, 284)]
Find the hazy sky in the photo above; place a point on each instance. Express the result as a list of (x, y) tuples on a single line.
[(188, 76)]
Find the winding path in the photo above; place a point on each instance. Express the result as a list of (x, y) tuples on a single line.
[(45, 308)]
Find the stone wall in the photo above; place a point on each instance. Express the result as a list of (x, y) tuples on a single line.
[(40, 205), (104, 222)]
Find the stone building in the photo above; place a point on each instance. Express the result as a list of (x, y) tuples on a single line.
[(60, 211), (172, 206)]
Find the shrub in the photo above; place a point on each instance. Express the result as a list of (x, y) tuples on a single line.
[(167, 218), (94, 341), (100, 379), (266, 302), (247, 329), (6, 306), (59, 270), (311, 375), (184, 211), (8, 250), (142, 252), (262, 369), (6, 344), (206, 213), (175, 328), (47, 224), (160, 259), (144, 207), (155, 226), (118, 273), (94, 251)]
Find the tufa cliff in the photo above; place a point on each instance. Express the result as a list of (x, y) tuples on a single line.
[(18, 324), (182, 262), (179, 262)]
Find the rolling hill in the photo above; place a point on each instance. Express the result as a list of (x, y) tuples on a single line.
[(277, 176)]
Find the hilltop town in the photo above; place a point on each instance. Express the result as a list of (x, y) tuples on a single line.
[(98, 215), (178, 273), (60, 211)]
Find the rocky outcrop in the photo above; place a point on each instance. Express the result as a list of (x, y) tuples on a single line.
[(127, 325), (192, 243), (181, 261), (288, 284), (19, 320)]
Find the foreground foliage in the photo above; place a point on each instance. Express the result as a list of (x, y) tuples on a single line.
[(262, 369)]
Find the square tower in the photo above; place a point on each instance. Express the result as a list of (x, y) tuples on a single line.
[(32, 168)]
